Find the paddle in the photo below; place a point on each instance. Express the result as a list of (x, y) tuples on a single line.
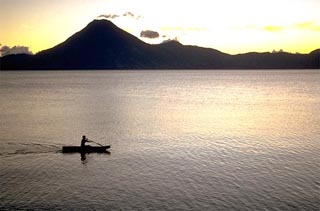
[(95, 142)]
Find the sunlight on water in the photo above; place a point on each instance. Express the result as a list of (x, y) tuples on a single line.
[(181, 140)]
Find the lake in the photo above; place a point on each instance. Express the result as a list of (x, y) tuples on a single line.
[(181, 140)]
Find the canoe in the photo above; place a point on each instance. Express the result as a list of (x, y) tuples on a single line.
[(86, 149)]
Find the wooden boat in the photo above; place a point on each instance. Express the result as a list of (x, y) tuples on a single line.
[(86, 149)]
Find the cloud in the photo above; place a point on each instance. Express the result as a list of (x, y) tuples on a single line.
[(175, 39), (109, 16), (308, 25), (304, 25), (271, 28), (300, 26), (6, 50), (129, 14), (149, 34), (114, 16)]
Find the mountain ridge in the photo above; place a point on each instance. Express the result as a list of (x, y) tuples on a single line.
[(102, 45)]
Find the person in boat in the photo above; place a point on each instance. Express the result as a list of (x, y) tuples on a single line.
[(84, 141)]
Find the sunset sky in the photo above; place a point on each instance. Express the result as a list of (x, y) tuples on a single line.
[(231, 26)]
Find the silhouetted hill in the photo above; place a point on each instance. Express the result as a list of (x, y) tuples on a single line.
[(102, 45), (275, 61)]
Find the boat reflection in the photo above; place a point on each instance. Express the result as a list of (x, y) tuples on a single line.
[(83, 156)]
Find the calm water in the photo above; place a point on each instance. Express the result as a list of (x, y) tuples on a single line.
[(181, 140)]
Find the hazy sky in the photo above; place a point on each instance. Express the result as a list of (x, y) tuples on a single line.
[(231, 26)]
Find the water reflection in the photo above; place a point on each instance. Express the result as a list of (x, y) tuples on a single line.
[(245, 104), (183, 140), (84, 159)]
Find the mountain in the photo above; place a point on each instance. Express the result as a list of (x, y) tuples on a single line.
[(102, 45)]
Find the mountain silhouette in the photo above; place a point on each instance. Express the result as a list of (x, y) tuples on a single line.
[(102, 45)]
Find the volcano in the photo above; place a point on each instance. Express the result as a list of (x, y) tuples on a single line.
[(101, 45)]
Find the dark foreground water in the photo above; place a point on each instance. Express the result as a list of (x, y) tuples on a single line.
[(181, 140)]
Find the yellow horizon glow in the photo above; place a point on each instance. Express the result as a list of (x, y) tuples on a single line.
[(230, 26)]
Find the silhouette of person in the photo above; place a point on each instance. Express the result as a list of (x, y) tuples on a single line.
[(83, 141)]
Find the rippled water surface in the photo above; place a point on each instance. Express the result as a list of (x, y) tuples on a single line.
[(181, 140)]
